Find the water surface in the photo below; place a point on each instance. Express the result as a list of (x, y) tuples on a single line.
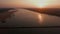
[(26, 18)]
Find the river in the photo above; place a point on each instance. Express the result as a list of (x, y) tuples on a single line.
[(26, 18)]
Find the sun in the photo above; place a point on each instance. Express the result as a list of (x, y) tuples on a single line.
[(39, 3), (42, 3)]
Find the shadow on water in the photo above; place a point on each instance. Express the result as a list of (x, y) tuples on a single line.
[(6, 13)]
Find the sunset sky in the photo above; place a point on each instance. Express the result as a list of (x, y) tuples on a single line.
[(30, 3)]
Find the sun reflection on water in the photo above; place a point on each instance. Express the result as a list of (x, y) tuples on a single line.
[(40, 18)]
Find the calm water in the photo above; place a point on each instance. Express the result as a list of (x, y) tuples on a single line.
[(26, 18)]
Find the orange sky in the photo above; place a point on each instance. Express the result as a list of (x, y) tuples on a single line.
[(30, 3)]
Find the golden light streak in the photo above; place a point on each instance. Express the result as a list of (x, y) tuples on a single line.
[(40, 18)]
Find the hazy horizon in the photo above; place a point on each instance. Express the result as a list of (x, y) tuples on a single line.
[(30, 3)]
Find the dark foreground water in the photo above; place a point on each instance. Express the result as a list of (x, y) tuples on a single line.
[(26, 18)]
